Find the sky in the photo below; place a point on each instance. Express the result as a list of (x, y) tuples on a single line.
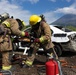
[(51, 9)]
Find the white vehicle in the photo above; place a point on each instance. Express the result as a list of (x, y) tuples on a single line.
[(71, 44), (63, 41)]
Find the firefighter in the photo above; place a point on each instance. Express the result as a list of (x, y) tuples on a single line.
[(42, 34), (12, 27)]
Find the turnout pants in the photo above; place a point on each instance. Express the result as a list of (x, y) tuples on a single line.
[(4, 50), (34, 48)]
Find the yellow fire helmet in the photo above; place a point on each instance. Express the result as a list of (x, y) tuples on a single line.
[(34, 19), (21, 23)]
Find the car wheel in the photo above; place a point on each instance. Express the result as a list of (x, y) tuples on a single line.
[(58, 50)]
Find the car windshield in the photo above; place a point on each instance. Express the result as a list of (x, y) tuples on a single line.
[(63, 28), (67, 30)]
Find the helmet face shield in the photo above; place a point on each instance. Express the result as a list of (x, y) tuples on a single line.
[(31, 23)]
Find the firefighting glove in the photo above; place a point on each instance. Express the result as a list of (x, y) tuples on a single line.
[(27, 34), (37, 40)]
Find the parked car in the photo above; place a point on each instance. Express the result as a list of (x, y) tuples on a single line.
[(69, 46), (63, 41)]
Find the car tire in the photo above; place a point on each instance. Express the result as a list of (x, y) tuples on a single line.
[(58, 50)]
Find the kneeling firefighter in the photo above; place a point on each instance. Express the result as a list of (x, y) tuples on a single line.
[(42, 35), (11, 27)]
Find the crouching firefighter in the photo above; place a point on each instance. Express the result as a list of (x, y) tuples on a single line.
[(42, 34), (11, 27)]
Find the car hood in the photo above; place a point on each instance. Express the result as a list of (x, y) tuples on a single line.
[(58, 35), (71, 33), (56, 30)]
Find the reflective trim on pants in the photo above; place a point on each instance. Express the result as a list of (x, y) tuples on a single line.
[(28, 63), (6, 67)]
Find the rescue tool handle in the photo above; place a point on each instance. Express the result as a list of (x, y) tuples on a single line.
[(59, 64)]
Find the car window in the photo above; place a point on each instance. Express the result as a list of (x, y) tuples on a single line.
[(67, 30), (63, 29)]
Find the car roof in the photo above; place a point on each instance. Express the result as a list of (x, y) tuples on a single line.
[(56, 30)]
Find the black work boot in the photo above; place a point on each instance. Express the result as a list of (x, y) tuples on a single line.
[(23, 65), (5, 72), (13, 68)]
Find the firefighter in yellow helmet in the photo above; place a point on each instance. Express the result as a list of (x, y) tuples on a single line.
[(42, 33), (11, 27)]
